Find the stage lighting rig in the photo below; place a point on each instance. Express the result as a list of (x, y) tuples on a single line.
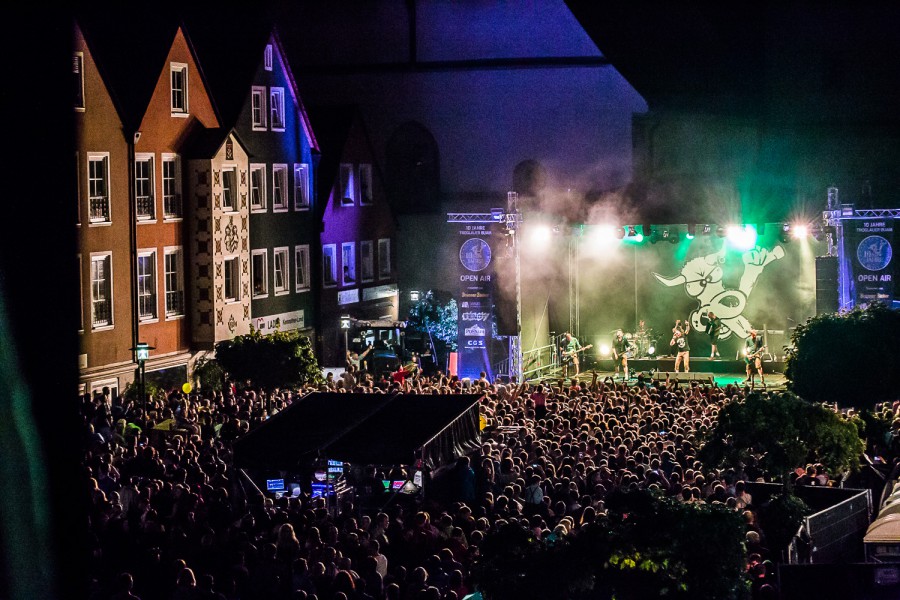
[(670, 235), (785, 235), (707, 229)]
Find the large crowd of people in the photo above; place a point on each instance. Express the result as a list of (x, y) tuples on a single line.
[(168, 521)]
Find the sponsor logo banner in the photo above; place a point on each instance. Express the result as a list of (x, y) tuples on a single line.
[(869, 246), (476, 269)]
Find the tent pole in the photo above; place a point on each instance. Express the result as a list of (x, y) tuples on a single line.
[(247, 477)]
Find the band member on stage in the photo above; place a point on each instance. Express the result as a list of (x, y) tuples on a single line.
[(684, 326), (753, 351), (570, 347), (620, 348), (713, 327), (682, 348)]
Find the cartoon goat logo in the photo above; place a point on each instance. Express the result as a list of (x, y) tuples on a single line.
[(702, 279)]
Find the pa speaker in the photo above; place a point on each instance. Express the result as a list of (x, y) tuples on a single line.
[(826, 284)]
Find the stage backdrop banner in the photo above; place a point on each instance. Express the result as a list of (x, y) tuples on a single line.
[(476, 272), (869, 248)]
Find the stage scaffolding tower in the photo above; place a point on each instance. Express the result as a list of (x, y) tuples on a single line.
[(511, 220)]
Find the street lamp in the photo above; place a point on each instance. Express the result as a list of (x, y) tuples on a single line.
[(345, 325), (141, 354)]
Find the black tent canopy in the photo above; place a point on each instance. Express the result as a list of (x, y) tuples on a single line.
[(383, 429)]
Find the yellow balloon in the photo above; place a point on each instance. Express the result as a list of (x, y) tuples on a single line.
[(187, 387)]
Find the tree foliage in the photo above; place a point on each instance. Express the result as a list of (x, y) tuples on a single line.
[(436, 313), (209, 374), (851, 358), (277, 360), (646, 546), (783, 432)]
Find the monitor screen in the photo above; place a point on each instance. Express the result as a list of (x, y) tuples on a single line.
[(397, 484), (274, 485), (386, 483)]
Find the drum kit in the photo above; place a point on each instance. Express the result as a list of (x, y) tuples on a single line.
[(640, 344)]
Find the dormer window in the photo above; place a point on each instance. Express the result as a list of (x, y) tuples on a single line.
[(179, 88)]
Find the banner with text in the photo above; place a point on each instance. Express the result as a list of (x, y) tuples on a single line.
[(868, 245), (476, 270)]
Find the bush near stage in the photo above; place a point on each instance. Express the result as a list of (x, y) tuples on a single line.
[(646, 546), (784, 432), (278, 360), (851, 358)]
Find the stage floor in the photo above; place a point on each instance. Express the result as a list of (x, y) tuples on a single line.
[(700, 364), (774, 381)]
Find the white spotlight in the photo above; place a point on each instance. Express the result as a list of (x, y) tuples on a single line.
[(605, 350), (540, 235), (603, 236), (799, 231)]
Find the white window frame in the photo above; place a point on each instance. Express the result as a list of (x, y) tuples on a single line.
[(79, 193), (233, 292), (258, 202), (264, 262), (348, 185), (284, 271), (176, 277), (184, 109), (153, 288), (94, 198), (384, 258), (80, 295), (267, 58), (145, 188), (301, 186), (301, 269), (329, 250), (112, 384), (233, 206), (78, 80), (259, 117), (348, 263), (107, 257), (277, 116), (280, 182), (367, 264), (365, 182), (173, 206)]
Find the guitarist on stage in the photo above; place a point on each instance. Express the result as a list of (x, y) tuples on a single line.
[(753, 351), (620, 349), (571, 347)]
